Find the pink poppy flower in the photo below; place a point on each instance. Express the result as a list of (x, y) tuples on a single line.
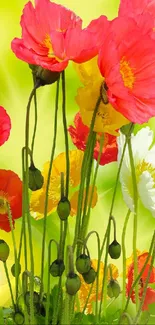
[(52, 35), (79, 135), (128, 67), (143, 11), (5, 126)]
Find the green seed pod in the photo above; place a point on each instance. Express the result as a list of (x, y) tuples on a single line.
[(63, 208), (36, 298), (83, 263), (13, 269), (73, 283), (4, 250), (115, 249), (90, 276), (19, 318), (44, 76), (36, 180), (113, 289), (57, 267)]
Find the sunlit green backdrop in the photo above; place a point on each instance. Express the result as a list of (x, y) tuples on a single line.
[(15, 86)]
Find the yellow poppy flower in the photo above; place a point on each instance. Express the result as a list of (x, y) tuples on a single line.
[(37, 201), (108, 119), (74, 200), (84, 289)]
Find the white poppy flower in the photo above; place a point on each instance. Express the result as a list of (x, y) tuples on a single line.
[(144, 162)]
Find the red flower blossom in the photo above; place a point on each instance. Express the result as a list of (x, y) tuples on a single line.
[(52, 35), (150, 293), (5, 126), (79, 135), (128, 66), (143, 12), (10, 192)]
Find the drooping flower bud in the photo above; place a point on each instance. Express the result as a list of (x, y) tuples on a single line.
[(90, 276), (19, 318), (44, 76), (63, 208), (126, 128), (57, 268), (83, 263), (4, 250), (113, 289), (36, 298), (36, 180), (73, 283), (115, 249), (13, 269)]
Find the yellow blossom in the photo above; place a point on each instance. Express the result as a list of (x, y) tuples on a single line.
[(108, 119)]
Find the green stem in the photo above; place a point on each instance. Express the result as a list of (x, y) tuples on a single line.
[(110, 269), (15, 250), (48, 280), (24, 209), (145, 287), (83, 174), (26, 192), (135, 196), (36, 118), (65, 131), (107, 234), (124, 258), (47, 189), (9, 283), (70, 258), (114, 224)]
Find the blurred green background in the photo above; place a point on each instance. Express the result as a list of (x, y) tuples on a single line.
[(15, 87)]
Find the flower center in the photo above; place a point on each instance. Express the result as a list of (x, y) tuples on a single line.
[(3, 205), (145, 166), (47, 42), (127, 73)]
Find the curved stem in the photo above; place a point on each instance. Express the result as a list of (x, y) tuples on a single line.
[(65, 132), (48, 280), (26, 192), (110, 269), (47, 189), (135, 196), (124, 257), (9, 283), (114, 224), (36, 118)]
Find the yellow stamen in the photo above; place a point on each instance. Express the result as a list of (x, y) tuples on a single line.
[(127, 73), (145, 166), (3, 205), (47, 42)]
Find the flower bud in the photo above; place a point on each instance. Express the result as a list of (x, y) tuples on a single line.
[(83, 264), (36, 298), (4, 250), (63, 208), (36, 180), (90, 276), (115, 249), (57, 267), (126, 128), (113, 289), (44, 76), (73, 283), (13, 269), (19, 318)]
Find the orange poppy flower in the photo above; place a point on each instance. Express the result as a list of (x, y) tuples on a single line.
[(10, 192), (150, 293)]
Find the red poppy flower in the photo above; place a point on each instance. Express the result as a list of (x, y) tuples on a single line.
[(52, 35), (143, 12), (128, 66), (150, 293), (11, 192), (5, 126), (79, 135)]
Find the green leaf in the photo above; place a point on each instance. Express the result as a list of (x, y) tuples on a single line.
[(1, 316)]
